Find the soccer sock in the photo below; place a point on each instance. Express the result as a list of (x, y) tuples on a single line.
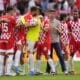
[(37, 66), (51, 65), (66, 65), (31, 62), (71, 64), (57, 64), (1, 64), (17, 58), (9, 64), (23, 68)]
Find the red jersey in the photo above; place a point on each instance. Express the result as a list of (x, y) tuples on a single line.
[(7, 35), (74, 28), (64, 36), (43, 46)]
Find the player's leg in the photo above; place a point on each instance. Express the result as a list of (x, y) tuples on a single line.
[(37, 67), (72, 71), (15, 66), (22, 65), (30, 48), (48, 68), (47, 52), (2, 57), (73, 49), (1, 63), (9, 62), (50, 62), (65, 56), (38, 58)]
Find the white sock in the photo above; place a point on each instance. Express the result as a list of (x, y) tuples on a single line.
[(9, 64), (51, 65), (31, 62), (1, 64), (66, 65), (71, 64), (57, 64), (37, 65), (17, 58), (23, 68)]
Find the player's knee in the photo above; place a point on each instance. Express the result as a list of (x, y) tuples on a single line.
[(19, 47)]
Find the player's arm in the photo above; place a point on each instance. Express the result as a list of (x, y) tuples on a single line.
[(69, 28), (57, 29), (45, 28), (29, 25), (21, 22), (32, 23)]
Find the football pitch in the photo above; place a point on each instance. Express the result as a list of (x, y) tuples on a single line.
[(59, 76)]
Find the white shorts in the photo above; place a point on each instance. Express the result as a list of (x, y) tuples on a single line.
[(7, 51), (30, 46)]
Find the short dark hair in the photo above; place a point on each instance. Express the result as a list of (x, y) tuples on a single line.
[(34, 8), (9, 8), (1, 12), (51, 10), (62, 16)]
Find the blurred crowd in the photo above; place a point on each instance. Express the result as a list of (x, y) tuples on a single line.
[(24, 5)]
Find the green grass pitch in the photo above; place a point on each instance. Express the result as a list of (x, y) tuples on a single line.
[(60, 76)]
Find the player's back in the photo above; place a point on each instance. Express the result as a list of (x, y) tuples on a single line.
[(7, 27)]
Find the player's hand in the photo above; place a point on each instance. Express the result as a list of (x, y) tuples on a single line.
[(54, 28)]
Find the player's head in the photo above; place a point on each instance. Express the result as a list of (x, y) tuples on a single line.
[(33, 10), (10, 10), (1, 12), (75, 14), (63, 17), (46, 12), (39, 11), (52, 13)]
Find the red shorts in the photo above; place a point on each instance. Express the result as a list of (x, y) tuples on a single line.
[(63, 48), (6, 45), (20, 39), (73, 45), (43, 49), (78, 45)]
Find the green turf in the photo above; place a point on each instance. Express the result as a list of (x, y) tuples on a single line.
[(60, 76)]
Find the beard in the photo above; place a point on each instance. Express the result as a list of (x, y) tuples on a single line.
[(34, 15), (75, 18)]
